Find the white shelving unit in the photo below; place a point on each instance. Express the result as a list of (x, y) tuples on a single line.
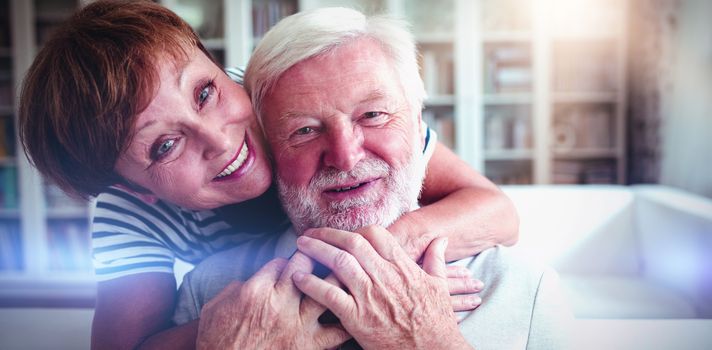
[(44, 238), (524, 103)]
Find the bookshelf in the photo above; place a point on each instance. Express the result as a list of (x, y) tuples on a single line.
[(552, 107), (45, 257), (527, 91), (44, 235)]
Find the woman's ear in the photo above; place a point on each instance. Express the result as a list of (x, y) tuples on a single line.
[(142, 194)]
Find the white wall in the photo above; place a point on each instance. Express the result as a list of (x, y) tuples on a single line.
[(687, 105)]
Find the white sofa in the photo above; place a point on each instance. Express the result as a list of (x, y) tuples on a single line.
[(642, 252)]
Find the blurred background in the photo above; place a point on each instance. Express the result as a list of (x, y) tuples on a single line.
[(580, 95)]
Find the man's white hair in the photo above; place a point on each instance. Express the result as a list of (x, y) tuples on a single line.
[(312, 33)]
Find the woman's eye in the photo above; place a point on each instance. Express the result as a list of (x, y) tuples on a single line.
[(162, 148), (205, 93)]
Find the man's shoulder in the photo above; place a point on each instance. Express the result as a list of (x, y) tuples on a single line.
[(500, 264), (516, 302)]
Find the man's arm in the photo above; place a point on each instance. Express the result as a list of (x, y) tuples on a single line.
[(460, 204)]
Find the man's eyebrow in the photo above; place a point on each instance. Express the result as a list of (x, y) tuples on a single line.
[(373, 96), (290, 114)]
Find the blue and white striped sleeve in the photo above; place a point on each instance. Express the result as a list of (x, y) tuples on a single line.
[(126, 237)]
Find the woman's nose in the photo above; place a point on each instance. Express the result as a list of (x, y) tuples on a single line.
[(215, 139)]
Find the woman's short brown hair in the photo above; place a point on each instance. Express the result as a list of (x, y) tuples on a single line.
[(86, 86)]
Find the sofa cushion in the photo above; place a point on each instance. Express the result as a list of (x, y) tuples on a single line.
[(578, 229), (623, 297)]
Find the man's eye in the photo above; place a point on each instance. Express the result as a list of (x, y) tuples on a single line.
[(162, 148), (304, 131), (371, 115)]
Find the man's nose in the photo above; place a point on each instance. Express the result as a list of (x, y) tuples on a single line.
[(345, 147)]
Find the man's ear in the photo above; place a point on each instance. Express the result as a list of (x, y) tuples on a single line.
[(141, 193)]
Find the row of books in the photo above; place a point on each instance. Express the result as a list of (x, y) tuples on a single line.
[(8, 187), (583, 126), (509, 172), (584, 172), (442, 121), (10, 246), (7, 136), (438, 69), (5, 89), (508, 127), (69, 245), (507, 68), (266, 14)]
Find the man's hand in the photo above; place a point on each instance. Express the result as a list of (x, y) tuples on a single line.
[(267, 312), (389, 302)]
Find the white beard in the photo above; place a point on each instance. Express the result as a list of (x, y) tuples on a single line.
[(403, 188)]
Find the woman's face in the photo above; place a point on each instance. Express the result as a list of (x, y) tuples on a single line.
[(198, 144)]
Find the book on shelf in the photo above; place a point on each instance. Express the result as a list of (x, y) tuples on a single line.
[(583, 126), (507, 127), (584, 172), (10, 246), (509, 172), (69, 245), (438, 70), (6, 93), (443, 122), (8, 192), (266, 14), (507, 68)]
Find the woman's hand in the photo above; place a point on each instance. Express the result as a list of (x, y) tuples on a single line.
[(267, 312)]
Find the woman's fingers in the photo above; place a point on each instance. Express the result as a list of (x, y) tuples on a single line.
[(434, 258), (465, 302), (324, 293)]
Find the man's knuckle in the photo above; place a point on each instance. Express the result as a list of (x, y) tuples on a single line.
[(331, 296), (342, 260), (354, 242)]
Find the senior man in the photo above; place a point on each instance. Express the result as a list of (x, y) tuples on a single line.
[(339, 97)]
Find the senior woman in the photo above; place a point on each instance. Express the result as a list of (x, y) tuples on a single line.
[(124, 104)]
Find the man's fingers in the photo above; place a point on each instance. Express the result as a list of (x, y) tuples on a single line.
[(465, 302), (356, 244), (331, 336), (434, 258), (344, 265), (325, 293)]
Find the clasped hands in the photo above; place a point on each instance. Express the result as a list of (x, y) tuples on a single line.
[(381, 297)]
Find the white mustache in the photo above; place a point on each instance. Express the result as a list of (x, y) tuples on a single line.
[(365, 169)]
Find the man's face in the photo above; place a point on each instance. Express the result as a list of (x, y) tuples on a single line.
[(346, 144)]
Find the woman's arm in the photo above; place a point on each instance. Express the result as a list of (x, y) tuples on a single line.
[(460, 204), (130, 309)]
